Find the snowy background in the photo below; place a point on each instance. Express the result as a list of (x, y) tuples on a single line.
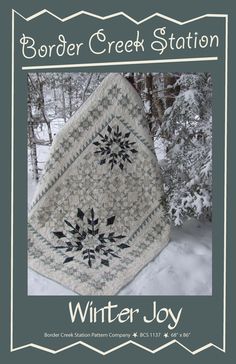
[(184, 267)]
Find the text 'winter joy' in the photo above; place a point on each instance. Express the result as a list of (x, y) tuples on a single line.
[(111, 313)]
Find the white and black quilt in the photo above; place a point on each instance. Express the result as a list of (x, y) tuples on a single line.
[(97, 217)]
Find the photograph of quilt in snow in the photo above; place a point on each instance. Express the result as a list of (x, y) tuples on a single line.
[(96, 219)]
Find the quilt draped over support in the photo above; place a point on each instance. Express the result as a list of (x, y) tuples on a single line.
[(97, 217)]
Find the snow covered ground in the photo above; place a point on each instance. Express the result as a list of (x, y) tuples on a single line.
[(184, 267)]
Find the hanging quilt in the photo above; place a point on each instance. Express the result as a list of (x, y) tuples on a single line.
[(97, 217)]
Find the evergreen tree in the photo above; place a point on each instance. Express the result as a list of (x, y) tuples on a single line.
[(187, 131)]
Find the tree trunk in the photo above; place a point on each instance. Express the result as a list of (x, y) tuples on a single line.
[(63, 103), (31, 140), (130, 77), (169, 81), (41, 107), (149, 98), (138, 82), (70, 96), (87, 86), (33, 152), (54, 97), (63, 97)]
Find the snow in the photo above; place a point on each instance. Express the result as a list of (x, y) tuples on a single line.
[(184, 267), (147, 106), (159, 149)]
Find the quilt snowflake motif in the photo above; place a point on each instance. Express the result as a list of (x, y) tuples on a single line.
[(115, 147), (87, 239)]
